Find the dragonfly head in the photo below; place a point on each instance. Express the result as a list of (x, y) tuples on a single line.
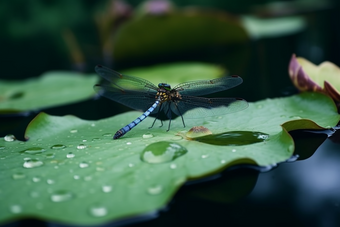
[(165, 86)]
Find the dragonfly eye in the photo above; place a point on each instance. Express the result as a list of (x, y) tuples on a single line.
[(164, 86)]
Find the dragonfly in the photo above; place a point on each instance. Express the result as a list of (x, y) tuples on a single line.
[(140, 94)]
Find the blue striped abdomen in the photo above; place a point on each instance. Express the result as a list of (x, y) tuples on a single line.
[(138, 120)]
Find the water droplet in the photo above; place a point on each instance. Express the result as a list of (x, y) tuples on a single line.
[(161, 152), (58, 146), (295, 117), (173, 166), (107, 134), (73, 131), (9, 138), (15, 209), (106, 188), (2, 147), (128, 143), (147, 135), (222, 161), (100, 169), (263, 136), (131, 164), (88, 178), (93, 124), (233, 138), (155, 190), (233, 150), (18, 175), (32, 163), (70, 155), (50, 181), (205, 156), (98, 211), (81, 146), (36, 179), (83, 165), (34, 194), (50, 155), (61, 196), (176, 138), (34, 150), (95, 139)]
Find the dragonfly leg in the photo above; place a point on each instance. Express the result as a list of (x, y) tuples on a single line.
[(153, 122), (169, 122), (180, 114)]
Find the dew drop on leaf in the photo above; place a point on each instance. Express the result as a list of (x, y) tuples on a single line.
[(107, 135), (161, 152), (32, 163), (173, 166), (155, 190), (36, 179), (2, 147), (50, 155), (34, 150), (233, 150), (107, 188), (70, 155), (18, 175), (98, 211), (61, 196), (147, 135), (58, 146), (50, 181), (9, 138), (83, 165), (204, 156), (81, 146), (73, 131), (15, 209)]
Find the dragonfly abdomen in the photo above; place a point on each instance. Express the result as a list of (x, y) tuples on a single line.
[(121, 132)]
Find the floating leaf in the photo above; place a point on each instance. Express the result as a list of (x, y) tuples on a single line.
[(187, 29), (176, 73), (78, 175), (51, 89), (323, 78)]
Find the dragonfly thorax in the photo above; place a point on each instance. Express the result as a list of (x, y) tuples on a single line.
[(164, 86)]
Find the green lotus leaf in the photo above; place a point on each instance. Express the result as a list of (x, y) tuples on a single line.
[(71, 171), (188, 29), (50, 89)]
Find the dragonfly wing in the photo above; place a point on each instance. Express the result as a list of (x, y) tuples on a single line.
[(137, 100), (205, 107), (204, 87), (123, 81), (134, 92)]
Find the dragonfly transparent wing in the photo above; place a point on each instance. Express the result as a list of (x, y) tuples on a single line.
[(136, 93), (204, 87), (124, 82), (205, 107)]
